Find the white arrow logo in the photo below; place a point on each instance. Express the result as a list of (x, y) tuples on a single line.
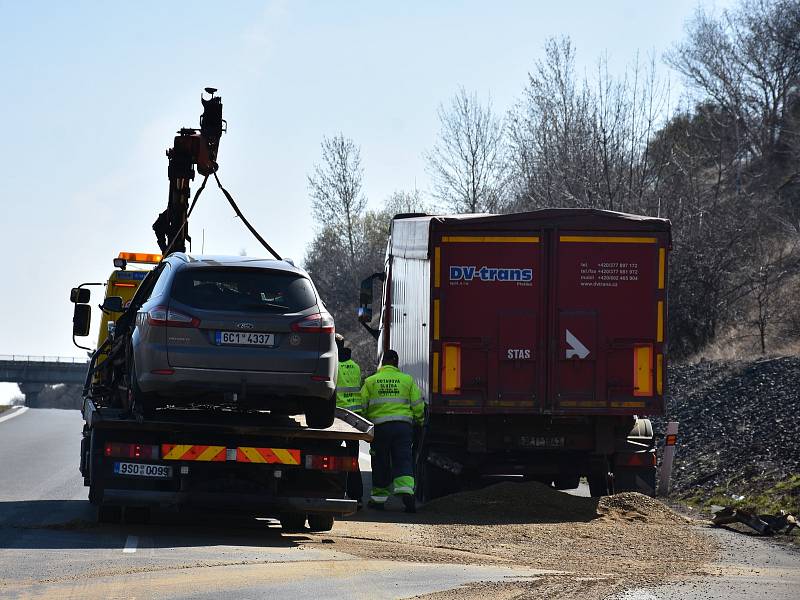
[(576, 348)]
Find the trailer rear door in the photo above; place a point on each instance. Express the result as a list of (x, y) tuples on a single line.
[(608, 317), (488, 334)]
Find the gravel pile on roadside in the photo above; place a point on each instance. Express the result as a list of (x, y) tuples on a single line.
[(739, 424), (588, 548)]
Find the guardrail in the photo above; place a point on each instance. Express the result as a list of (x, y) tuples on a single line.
[(46, 359)]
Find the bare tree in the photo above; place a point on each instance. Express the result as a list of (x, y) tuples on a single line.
[(747, 62), (336, 194), (467, 163), (581, 143), (403, 201)]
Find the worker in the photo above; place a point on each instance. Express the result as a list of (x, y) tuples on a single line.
[(348, 395), (392, 402)]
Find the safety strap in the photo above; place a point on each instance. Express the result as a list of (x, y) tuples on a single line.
[(245, 221)]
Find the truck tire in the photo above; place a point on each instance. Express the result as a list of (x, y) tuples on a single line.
[(598, 484), (292, 522), (640, 479), (322, 522), (433, 482), (320, 414)]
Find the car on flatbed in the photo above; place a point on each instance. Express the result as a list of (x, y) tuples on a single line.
[(234, 331)]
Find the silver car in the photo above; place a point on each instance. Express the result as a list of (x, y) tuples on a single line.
[(234, 331)]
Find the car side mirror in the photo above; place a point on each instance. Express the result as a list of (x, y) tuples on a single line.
[(81, 320), (80, 295), (113, 304)]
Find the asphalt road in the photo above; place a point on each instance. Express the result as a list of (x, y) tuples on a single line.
[(51, 547)]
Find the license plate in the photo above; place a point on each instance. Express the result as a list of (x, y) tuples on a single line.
[(143, 470), (538, 441), (241, 338)]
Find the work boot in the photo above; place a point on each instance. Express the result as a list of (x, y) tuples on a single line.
[(409, 502), (376, 505)]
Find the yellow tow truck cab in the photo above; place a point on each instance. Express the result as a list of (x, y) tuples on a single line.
[(124, 282)]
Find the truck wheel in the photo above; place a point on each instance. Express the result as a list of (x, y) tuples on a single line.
[(320, 414), (109, 513), (642, 480), (95, 494), (320, 522), (434, 483), (292, 522), (598, 484)]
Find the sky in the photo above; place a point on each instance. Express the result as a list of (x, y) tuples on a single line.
[(93, 92)]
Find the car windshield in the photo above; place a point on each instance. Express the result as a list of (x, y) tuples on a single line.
[(243, 290)]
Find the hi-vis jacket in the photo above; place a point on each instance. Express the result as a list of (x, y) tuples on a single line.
[(391, 395), (348, 386)]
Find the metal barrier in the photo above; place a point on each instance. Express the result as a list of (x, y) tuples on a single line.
[(45, 359)]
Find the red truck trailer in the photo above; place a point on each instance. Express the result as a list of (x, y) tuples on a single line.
[(538, 340)]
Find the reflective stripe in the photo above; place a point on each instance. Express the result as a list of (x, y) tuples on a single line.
[(348, 389), (353, 406), (388, 400), (403, 490), (387, 418), (417, 402), (379, 499)]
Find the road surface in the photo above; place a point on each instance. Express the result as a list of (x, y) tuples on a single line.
[(51, 547)]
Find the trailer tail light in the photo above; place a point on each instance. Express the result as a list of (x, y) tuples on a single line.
[(319, 323), (161, 316), (326, 462), (639, 459), (451, 369), (126, 450), (643, 370)]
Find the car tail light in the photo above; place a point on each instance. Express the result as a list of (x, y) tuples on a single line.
[(327, 462), (639, 459), (161, 316), (319, 323), (126, 450)]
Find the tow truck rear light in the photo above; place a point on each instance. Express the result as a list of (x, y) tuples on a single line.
[(326, 462), (319, 323), (161, 316), (127, 450)]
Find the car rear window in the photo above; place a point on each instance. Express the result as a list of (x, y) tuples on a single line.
[(243, 290)]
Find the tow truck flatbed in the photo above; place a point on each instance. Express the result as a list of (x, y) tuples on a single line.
[(244, 462)]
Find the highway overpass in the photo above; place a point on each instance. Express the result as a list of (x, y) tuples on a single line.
[(32, 373)]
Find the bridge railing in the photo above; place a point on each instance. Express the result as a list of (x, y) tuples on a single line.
[(47, 359)]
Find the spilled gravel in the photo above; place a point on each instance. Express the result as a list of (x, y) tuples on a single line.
[(583, 547)]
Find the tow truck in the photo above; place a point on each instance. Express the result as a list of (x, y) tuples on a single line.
[(197, 456)]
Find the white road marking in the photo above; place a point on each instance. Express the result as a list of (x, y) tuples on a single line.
[(130, 544), (15, 412)]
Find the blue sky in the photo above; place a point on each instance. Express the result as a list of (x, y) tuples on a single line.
[(93, 93)]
